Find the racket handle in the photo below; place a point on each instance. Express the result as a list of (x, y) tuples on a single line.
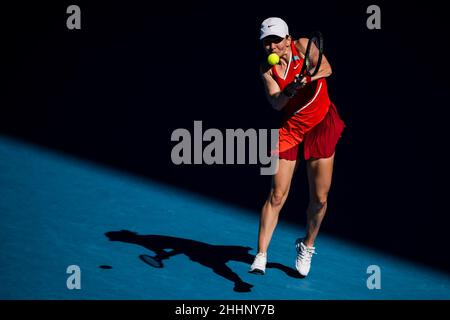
[(291, 89)]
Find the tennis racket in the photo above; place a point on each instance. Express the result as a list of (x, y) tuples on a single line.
[(313, 57)]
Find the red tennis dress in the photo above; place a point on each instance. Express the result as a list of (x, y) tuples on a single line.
[(309, 116)]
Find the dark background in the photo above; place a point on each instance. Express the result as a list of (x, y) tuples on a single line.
[(114, 91)]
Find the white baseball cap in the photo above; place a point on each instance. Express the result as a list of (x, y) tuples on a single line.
[(274, 27)]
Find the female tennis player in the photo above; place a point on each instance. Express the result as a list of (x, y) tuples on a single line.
[(309, 117)]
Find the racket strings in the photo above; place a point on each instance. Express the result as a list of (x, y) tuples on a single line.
[(312, 58)]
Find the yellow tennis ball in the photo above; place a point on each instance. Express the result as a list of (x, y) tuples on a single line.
[(273, 59)]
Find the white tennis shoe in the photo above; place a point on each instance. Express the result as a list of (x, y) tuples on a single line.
[(259, 264), (304, 256)]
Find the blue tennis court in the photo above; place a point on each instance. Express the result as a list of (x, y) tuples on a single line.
[(57, 211)]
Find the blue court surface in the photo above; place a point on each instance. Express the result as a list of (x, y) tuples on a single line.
[(57, 211)]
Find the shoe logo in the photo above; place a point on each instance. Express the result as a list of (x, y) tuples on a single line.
[(296, 66)]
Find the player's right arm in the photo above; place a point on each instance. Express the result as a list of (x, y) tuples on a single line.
[(276, 98)]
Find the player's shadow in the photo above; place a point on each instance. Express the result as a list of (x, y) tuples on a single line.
[(211, 256)]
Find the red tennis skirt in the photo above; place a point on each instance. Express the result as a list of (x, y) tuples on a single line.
[(320, 141)]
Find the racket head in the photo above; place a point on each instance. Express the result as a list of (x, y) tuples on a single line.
[(151, 261), (313, 55)]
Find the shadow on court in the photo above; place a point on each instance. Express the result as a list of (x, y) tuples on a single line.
[(214, 257)]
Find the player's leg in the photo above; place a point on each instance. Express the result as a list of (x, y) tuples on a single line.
[(281, 183), (319, 173)]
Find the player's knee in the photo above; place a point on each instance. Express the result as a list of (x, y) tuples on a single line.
[(319, 201), (277, 197)]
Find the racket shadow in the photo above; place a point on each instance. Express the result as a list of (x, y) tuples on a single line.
[(214, 257), (154, 262)]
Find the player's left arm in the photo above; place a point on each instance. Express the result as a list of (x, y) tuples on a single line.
[(325, 67)]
